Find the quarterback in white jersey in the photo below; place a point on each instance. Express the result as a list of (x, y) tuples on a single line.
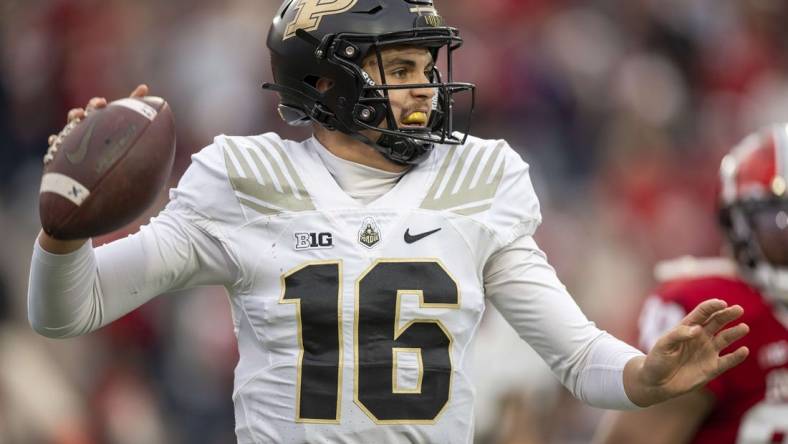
[(358, 262), (350, 314)]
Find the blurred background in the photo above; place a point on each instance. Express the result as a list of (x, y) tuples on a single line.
[(623, 109)]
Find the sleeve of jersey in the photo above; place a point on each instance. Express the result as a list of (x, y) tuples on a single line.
[(589, 362), (659, 314), (515, 208), (76, 293)]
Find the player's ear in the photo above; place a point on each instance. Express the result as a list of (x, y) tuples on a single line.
[(324, 84)]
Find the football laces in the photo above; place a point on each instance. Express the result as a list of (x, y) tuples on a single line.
[(56, 140)]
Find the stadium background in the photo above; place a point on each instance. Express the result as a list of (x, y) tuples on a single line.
[(622, 108)]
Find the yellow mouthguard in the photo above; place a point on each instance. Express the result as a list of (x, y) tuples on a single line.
[(417, 118)]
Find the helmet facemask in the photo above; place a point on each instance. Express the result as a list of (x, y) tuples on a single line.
[(374, 112), (361, 108)]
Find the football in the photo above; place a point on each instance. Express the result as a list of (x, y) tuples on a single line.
[(108, 169)]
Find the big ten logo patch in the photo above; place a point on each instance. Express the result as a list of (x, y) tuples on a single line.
[(311, 241)]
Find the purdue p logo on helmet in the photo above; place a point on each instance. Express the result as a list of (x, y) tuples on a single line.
[(311, 12), (311, 40)]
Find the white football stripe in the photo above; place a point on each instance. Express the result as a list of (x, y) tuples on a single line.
[(138, 106), (65, 186)]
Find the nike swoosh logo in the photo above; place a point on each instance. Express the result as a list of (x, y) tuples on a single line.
[(417, 237), (76, 157)]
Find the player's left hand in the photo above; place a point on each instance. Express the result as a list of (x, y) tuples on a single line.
[(688, 355)]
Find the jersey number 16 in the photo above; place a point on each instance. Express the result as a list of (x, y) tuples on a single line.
[(315, 289)]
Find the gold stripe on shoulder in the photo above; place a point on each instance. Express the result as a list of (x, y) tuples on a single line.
[(236, 151), (299, 186), (260, 187), (479, 183), (284, 186), (441, 175), (458, 168)]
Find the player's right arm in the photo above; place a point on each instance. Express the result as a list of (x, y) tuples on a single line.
[(78, 292), (57, 246), (673, 421), (75, 289)]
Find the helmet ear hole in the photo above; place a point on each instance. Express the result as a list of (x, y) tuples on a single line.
[(321, 84), (311, 80)]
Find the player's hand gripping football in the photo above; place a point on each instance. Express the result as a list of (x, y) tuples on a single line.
[(76, 115), (104, 168), (688, 355)]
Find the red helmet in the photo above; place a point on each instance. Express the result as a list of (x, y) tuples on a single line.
[(754, 207)]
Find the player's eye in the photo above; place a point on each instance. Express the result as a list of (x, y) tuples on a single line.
[(399, 73)]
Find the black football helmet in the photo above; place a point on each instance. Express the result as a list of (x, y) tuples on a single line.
[(314, 39), (754, 208)]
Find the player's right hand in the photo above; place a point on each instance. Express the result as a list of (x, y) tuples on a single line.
[(75, 115)]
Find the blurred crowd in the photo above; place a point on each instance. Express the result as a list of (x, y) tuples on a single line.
[(622, 108)]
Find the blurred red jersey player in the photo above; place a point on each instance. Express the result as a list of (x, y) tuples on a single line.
[(749, 404)]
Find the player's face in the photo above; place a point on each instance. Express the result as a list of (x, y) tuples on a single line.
[(771, 229), (405, 65)]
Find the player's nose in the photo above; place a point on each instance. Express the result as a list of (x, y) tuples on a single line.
[(424, 92)]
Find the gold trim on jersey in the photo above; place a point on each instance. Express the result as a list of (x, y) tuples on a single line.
[(395, 351), (469, 183), (297, 303), (399, 331), (264, 186)]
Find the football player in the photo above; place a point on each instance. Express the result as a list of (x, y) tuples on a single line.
[(750, 403), (358, 261)]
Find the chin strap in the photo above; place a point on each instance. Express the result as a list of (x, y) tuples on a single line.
[(400, 150)]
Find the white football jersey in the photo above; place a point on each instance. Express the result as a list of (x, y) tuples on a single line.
[(353, 321)]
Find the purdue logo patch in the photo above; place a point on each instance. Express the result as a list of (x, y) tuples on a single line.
[(369, 235), (311, 12)]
